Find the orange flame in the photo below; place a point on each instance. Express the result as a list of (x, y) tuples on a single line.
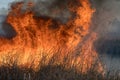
[(36, 40)]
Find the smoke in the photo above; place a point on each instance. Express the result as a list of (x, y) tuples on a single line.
[(106, 23), (6, 30), (2, 19), (55, 9), (107, 18)]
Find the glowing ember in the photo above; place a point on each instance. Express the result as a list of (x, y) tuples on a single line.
[(37, 40)]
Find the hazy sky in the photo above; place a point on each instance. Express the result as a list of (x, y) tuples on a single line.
[(4, 3)]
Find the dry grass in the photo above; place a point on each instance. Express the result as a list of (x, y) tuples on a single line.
[(53, 71)]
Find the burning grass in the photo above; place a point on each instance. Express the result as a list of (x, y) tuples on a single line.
[(46, 49), (42, 37), (54, 72)]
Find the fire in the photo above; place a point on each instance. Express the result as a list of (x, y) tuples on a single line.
[(37, 40)]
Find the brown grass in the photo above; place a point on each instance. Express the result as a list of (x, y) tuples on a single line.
[(53, 71)]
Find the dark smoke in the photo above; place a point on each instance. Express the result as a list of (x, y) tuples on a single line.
[(6, 30), (54, 9), (57, 10)]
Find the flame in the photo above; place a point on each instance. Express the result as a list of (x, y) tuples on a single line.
[(36, 41), (89, 57)]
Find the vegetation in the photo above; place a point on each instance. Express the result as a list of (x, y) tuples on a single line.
[(53, 72)]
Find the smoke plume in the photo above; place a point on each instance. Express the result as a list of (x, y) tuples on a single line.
[(55, 9), (107, 18), (106, 23)]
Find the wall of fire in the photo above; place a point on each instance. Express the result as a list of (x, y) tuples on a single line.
[(105, 22)]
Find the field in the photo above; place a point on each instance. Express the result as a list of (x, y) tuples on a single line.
[(54, 72)]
